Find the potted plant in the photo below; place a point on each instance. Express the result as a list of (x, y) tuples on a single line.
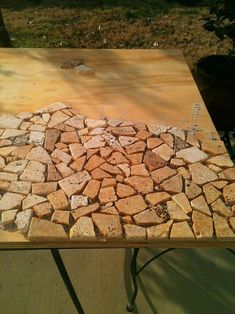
[(216, 73)]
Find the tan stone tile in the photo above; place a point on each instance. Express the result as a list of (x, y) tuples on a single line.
[(61, 146), (107, 182), (192, 139), (20, 187), (140, 184), (10, 201), (36, 137), (44, 188), (85, 210), (168, 139), (157, 198), (200, 204), (78, 164), (105, 152), (215, 168), (64, 170), (192, 190), (173, 184), (96, 141), (4, 143), (133, 232), (97, 131), (156, 129), (110, 211), (143, 135), (17, 166), (82, 230), (219, 207), (153, 142), (31, 200), (221, 161), (39, 154), (219, 184), (9, 133), (127, 140), (43, 210), (58, 200), (222, 228), (127, 220), (213, 147), (8, 217), (62, 156), (33, 172), (175, 212), (41, 229), (6, 176), (76, 122), (139, 170), (5, 151), (202, 225), (61, 217), (77, 150), (25, 125), (125, 169), (46, 117), (178, 132), (147, 217), (233, 210), (75, 183), (94, 123), (84, 131), (137, 147), (24, 115), (85, 138), (211, 193), (201, 174), (94, 162), (135, 159), (229, 194), (92, 189), (78, 201), (91, 152), (192, 155), (99, 174), (107, 195), (69, 137), (114, 122), (181, 230), (131, 205), (119, 178), (163, 173), (109, 226), (153, 161), (124, 131), (164, 151), (37, 127), (21, 151), (51, 138), (124, 190), (112, 169), (52, 107), (117, 158), (52, 173), (4, 185), (228, 174), (183, 202), (232, 223), (38, 120), (2, 163), (56, 118), (23, 220), (176, 162), (160, 231)]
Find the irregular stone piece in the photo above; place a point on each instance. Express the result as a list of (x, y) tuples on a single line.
[(5, 151), (137, 147), (178, 132), (164, 151), (140, 184), (125, 131), (52, 107), (201, 205), (147, 217), (64, 170), (109, 226), (202, 225), (157, 198), (124, 190), (76, 122), (181, 230), (201, 174), (37, 127), (84, 210), (33, 172), (10, 201), (43, 210), (2, 163), (219, 207), (175, 212), (107, 195), (36, 137), (61, 217), (20, 187), (133, 232), (51, 138), (110, 168), (23, 220), (75, 183), (16, 166), (77, 150), (69, 137), (8, 121), (78, 164), (135, 159), (163, 173), (228, 174), (31, 200), (56, 118), (78, 201), (39, 154), (160, 231), (99, 174), (105, 152), (94, 123), (62, 156), (213, 147), (221, 161), (173, 184), (108, 182), (52, 173), (153, 161), (125, 168), (92, 189), (94, 162), (139, 170), (9, 133), (127, 140), (44, 188), (219, 184), (131, 205), (176, 162), (192, 155), (192, 190), (41, 229), (21, 152), (183, 202), (8, 217), (156, 129), (83, 229), (58, 200), (211, 193), (153, 142), (192, 139), (222, 228), (232, 223), (4, 185), (95, 142), (6, 176), (143, 135), (229, 194)]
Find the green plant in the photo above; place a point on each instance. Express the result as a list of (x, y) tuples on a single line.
[(221, 21)]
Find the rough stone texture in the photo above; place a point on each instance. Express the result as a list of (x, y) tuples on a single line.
[(78, 201), (147, 217), (23, 220), (200, 204), (140, 184), (173, 185), (181, 230), (164, 151), (211, 193), (31, 200), (58, 200), (133, 232), (181, 200), (153, 161), (84, 210), (229, 194), (43, 210), (192, 190), (175, 212), (219, 207), (8, 217), (160, 231), (61, 217), (124, 190), (157, 198), (221, 161), (109, 226), (33, 172), (222, 228), (131, 205), (44, 188), (163, 173), (107, 195), (202, 225), (83, 229), (201, 174), (75, 183), (192, 155), (10, 201)]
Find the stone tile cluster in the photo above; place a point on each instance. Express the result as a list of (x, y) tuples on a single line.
[(65, 176)]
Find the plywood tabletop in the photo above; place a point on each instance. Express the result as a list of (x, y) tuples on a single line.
[(138, 85)]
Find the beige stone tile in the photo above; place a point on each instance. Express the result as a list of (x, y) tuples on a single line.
[(143, 135), (228, 174), (95, 123), (229, 194), (219, 184), (192, 190), (6, 176), (175, 212), (156, 129), (131, 205), (44, 188), (154, 142), (85, 210), (36, 137), (163, 173), (91, 152), (178, 132), (135, 159), (139, 170), (39, 154), (23, 220), (221, 161), (173, 184), (124, 190), (8, 217), (62, 156), (52, 173), (10, 201), (99, 174), (69, 137), (153, 161), (61, 217), (9, 121), (33, 172), (117, 158), (4, 143), (160, 231), (213, 147), (200, 204), (110, 210), (181, 230), (192, 155), (37, 127), (105, 152), (9, 133), (58, 200), (78, 201), (76, 122), (147, 217), (31, 200), (82, 230), (5, 151), (192, 139), (137, 147), (202, 225), (133, 232), (96, 141), (108, 182), (157, 198), (177, 162), (201, 174), (211, 193), (183, 202), (56, 118), (168, 139), (64, 170), (4, 185), (124, 131), (164, 151), (219, 207), (222, 228), (125, 169), (52, 107), (127, 140), (17, 166), (94, 162), (20, 187), (51, 138), (92, 189), (22, 151), (109, 226), (78, 164), (43, 210), (107, 195), (140, 184)]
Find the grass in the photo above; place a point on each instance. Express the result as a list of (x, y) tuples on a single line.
[(112, 24)]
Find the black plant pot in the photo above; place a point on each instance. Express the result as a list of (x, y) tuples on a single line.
[(215, 76)]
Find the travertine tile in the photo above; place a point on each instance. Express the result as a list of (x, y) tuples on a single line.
[(51, 138), (58, 200), (6, 176), (124, 131), (61, 217), (147, 217), (175, 212), (85, 210), (56, 118), (92, 189), (99, 174), (8, 217), (43, 210), (192, 190), (20, 187), (222, 228), (202, 225), (44, 188), (153, 142), (229, 194), (232, 223), (23, 220), (69, 137), (221, 161), (181, 230), (200, 204), (164, 151), (62, 156), (173, 184), (177, 132), (211, 193), (192, 155), (64, 170), (168, 139), (107, 195), (75, 183), (94, 123), (109, 226), (177, 162), (228, 174), (153, 161), (137, 147), (31, 200), (39, 154), (133, 232), (201, 174), (125, 169), (108, 182), (36, 137), (33, 172), (139, 170), (94, 162), (76, 122), (183, 202), (192, 139), (8, 121), (131, 205), (10, 201), (78, 201), (95, 142), (163, 173), (112, 169), (127, 140), (124, 190), (157, 198), (140, 184), (83, 229), (78, 164), (219, 184), (22, 151), (143, 135), (16, 166), (160, 231), (9, 133), (219, 207)]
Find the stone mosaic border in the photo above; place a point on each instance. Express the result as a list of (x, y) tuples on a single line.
[(65, 176)]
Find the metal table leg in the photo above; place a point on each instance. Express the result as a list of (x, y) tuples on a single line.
[(66, 279)]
